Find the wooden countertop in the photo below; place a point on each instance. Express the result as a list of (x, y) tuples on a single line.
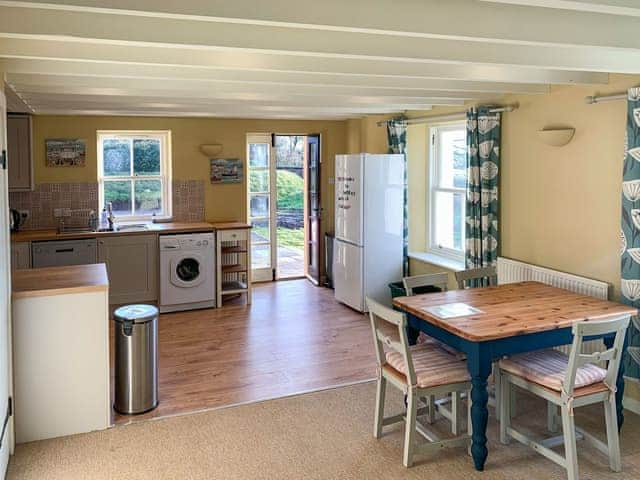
[(40, 282), (52, 234), (230, 225)]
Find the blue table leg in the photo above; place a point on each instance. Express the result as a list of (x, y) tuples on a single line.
[(608, 341), (479, 366)]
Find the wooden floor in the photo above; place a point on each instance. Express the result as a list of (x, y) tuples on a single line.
[(294, 337)]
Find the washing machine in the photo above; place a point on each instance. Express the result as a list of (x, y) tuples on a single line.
[(187, 272)]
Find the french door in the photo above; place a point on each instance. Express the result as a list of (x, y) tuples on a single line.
[(261, 209), (313, 209)]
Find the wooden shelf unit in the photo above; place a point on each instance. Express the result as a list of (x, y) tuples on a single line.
[(233, 261)]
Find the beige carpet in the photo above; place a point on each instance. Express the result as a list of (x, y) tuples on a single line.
[(322, 435)]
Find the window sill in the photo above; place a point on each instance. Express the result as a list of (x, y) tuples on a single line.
[(440, 261)]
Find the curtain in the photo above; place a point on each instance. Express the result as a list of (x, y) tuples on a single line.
[(630, 234), (483, 173), (397, 140)]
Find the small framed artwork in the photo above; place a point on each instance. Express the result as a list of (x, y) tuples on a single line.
[(63, 152), (226, 170)]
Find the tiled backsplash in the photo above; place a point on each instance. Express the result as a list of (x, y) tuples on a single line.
[(46, 197), (187, 199)]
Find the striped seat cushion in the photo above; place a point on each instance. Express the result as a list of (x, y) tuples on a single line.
[(548, 368), (432, 365), (424, 339)]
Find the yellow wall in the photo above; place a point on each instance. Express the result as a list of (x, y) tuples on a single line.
[(222, 202), (363, 135)]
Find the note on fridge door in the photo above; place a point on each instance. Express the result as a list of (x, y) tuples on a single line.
[(349, 198)]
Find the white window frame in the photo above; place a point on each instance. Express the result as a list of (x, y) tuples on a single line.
[(165, 169), (434, 187)]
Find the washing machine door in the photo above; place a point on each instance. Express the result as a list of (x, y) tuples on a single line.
[(188, 271)]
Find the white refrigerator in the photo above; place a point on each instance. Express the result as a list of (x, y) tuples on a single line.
[(367, 251)]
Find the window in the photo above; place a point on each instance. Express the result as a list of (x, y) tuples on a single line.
[(447, 182), (134, 173)]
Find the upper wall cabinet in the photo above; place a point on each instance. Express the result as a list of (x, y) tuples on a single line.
[(19, 156)]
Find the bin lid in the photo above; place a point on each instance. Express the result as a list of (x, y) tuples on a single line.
[(135, 313)]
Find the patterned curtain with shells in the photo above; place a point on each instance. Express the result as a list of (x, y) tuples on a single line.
[(630, 250), (482, 237), (397, 140)]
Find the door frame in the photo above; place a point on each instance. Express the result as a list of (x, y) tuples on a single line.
[(263, 276), (6, 360)]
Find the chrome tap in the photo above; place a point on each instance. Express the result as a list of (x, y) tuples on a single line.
[(110, 216)]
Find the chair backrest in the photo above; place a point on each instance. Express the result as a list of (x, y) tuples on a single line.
[(613, 355), (485, 277), (381, 315), (429, 280)]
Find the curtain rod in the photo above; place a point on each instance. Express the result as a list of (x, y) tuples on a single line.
[(449, 116), (604, 98)]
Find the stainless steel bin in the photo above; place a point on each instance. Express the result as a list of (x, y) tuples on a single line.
[(136, 362)]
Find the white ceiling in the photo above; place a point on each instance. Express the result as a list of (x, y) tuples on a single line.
[(304, 58)]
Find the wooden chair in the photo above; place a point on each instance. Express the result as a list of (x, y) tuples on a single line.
[(634, 352), (418, 371), (488, 276), (569, 382), (441, 281)]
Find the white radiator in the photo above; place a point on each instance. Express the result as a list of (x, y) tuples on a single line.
[(512, 271)]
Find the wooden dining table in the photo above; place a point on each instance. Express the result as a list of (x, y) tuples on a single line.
[(513, 318)]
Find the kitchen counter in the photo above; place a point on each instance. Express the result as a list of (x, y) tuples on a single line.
[(39, 282), (230, 225), (52, 234)]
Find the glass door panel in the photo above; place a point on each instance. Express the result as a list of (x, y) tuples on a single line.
[(260, 207)]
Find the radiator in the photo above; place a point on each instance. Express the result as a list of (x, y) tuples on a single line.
[(511, 271)]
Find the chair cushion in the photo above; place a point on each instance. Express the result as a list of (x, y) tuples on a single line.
[(433, 366), (548, 368), (424, 339)]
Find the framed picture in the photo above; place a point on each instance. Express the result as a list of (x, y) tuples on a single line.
[(62, 152), (226, 170)]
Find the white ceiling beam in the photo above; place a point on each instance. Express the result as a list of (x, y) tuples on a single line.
[(222, 89), (186, 113), (608, 7), (153, 72), (453, 19), (60, 100), (27, 91), (164, 32), (183, 57)]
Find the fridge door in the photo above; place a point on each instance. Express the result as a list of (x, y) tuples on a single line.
[(349, 177), (348, 274)]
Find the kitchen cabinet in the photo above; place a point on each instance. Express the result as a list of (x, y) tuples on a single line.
[(20, 256), (132, 265), (60, 351), (19, 153)]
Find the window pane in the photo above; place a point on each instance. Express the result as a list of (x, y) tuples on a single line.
[(259, 181), (261, 256), (260, 231), (119, 194), (259, 205), (148, 197), (146, 156), (453, 160), (116, 155), (258, 155), (449, 220)]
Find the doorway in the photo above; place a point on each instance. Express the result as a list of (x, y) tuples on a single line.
[(284, 205)]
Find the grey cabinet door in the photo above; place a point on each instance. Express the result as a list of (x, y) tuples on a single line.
[(19, 157), (132, 265)]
